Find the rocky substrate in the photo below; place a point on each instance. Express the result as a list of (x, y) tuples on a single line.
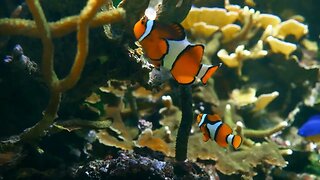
[(134, 166)]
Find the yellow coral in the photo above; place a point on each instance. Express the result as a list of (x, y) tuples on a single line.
[(233, 8), (192, 18), (265, 99), (268, 19), (278, 46), (211, 16), (310, 45), (243, 97), (230, 60), (201, 29), (229, 31), (257, 51), (235, 59), (292, 27), (218, 16)]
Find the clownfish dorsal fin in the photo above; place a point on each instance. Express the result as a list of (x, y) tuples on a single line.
[(173, 31)]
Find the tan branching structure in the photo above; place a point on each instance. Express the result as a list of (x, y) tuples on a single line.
[(24, 27), (44, 30)]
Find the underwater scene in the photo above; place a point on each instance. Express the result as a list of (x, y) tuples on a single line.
[(160, 89)]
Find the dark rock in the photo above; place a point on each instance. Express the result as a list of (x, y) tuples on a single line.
[(133, 166)]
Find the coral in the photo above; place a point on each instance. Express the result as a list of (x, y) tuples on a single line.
[(235, 38), (229, 161), (42, 29), (267, 88), (291, 27), (196, 15), (147, 139), (59, 86), (236, 59), (278, 46), (201, 29), (264, 99), (11, 26), (264, 20), (164, 138), (245, 97), (124, 135), (229, 31)]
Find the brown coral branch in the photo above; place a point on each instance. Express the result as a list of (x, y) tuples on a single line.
[(78, 123), (45, 35), (11, 26), (242, 35), (106, 17), (50, 114), (86, 15), (265, 132), (82, 50)]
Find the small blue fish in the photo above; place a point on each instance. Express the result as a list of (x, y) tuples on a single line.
[(310, 130)]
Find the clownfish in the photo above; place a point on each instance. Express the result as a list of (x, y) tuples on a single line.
[(167, 46), (310, 130), (213, 128)]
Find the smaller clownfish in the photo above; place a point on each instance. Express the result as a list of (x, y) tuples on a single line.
[(213, 128), (310, 130), (167, 47)]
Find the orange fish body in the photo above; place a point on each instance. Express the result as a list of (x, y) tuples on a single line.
[(168, 47), (212, 128)]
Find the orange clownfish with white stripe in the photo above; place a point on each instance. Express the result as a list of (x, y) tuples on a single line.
[(167, 46), (213, 128)]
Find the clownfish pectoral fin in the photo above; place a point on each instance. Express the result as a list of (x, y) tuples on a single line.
[(205, 138), (173, 31), (206, 71)]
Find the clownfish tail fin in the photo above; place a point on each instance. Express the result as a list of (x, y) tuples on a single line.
[(234, 140), (206, 71)]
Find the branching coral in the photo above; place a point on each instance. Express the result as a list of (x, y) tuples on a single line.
[(248, 96), (42, 29), (64, 26), (228, 162), (237, 38), (164, 139), (141, 118)]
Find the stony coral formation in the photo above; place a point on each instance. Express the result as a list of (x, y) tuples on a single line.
[(235, 38), (247, 104), (163, 139)]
